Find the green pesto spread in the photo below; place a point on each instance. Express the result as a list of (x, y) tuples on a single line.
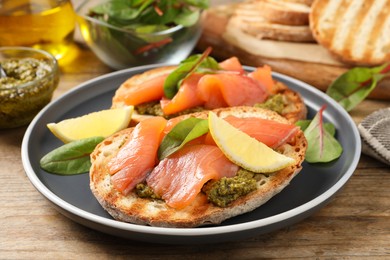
[(144, 191), (20, 71), (274, 103), (226, 190), (26, 89), (154, 108)]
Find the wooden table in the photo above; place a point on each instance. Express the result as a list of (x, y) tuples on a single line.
[(356, 224)]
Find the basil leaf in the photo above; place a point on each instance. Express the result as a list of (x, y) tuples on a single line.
[(322, 146), (185, 131), (71, 158), (329, 127), (356, 84), (185, 69)]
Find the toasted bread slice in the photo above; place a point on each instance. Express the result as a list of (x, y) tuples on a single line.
[(263, 29), (306, 2), (283, 12), (356, 32), (134, 209), (276, 20), (294, 108)]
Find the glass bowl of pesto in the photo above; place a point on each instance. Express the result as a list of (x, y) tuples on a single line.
[(28, 78), (125, 34)]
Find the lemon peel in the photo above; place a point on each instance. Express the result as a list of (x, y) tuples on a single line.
[(101, 123), (244, 150)]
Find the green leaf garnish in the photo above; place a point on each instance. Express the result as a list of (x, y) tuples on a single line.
[(185, 69), (356, 84), (329, 127), (71, 158), (322, 146), (185, 131)]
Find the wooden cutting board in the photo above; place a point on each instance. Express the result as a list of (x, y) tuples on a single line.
[(318, 68)]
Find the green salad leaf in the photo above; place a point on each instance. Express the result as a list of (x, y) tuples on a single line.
[(329, 127), (356, 84), (185, 131), (121, 9), (322, 145), (123, 13), (71, 158), (186, 68), (187, 17)]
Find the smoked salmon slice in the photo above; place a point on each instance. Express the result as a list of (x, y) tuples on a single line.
[(150, 90), (137, 156), (232, 64), (263, 75), (269, 132), (235, 90), (180, 177), (186, 97)]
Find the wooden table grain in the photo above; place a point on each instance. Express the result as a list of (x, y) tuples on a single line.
[(354, 225)]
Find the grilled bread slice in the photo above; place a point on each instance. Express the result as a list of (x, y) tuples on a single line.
[(356, 32), (283, 12), (294, 108), (153, 212), (274, 20), (263, 29), (306, 2)]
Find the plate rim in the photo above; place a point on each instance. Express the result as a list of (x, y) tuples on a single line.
[(184, 232)]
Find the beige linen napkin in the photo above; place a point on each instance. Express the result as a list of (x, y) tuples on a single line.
[(375, 133)]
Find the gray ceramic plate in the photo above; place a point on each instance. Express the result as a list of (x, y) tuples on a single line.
[(309, 191)]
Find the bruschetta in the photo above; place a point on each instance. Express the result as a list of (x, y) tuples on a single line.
[(184, 188), (228, 86)]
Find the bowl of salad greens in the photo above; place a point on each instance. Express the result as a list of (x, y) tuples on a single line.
[(128, 33)]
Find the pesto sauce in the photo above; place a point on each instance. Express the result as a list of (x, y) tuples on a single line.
[(154, 108), (226, 190), (20, 71), (144, 191), (274, 103), (20, 101)]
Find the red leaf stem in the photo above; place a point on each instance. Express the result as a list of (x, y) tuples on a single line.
[(158, 10), (205, 54), (152, 46), (321, 128)]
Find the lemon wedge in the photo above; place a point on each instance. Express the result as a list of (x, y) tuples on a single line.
[(244, 150), (101, 123)]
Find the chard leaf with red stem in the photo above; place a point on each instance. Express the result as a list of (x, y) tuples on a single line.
[(322, 146), (356, 84), (185, 69)]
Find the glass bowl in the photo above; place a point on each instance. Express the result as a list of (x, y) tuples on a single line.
[(121, 49), (30, 78)]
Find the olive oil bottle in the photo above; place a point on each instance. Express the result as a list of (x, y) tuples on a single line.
[(42, 24)]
